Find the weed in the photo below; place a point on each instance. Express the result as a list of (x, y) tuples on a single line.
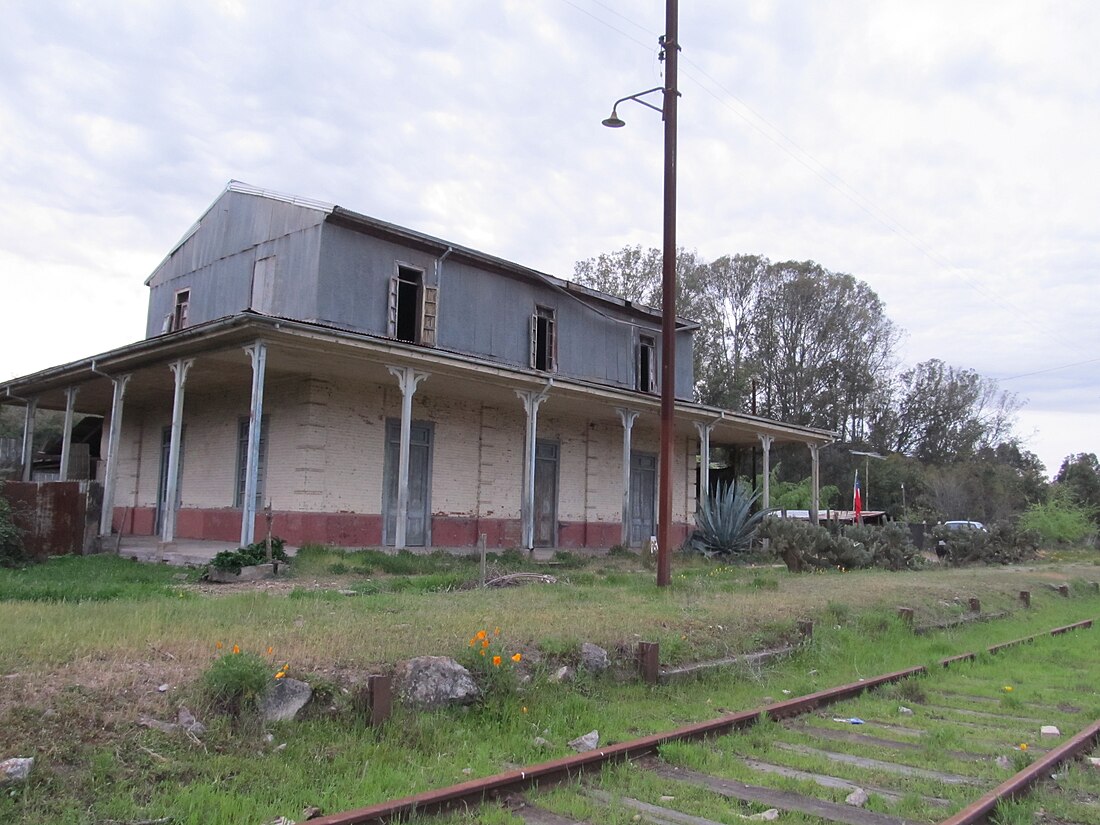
[(232, 561), (235, 682), (492, 664), (838, 612), (621, 551)]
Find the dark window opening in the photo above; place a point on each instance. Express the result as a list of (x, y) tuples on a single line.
[(242, 462), (181, 309), (407, 322), (646, 377), (542, 339)]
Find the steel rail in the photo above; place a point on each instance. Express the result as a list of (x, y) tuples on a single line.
[(1020, 783), (476, 791)]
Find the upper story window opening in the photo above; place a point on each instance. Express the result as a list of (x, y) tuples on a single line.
[(412, 307), (543, 340), (180, 310), (645, 366)]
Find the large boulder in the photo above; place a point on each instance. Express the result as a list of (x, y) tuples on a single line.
[(429, 682)]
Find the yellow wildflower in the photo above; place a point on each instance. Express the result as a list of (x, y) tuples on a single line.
[(1008, 688), (280, 675), (1023, 746)]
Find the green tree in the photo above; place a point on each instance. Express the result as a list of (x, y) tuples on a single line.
[(939, 413), (1079, 475)]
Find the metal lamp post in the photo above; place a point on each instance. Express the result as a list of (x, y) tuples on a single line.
[(670, 49)]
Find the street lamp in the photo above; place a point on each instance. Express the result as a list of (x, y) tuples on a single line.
[(670, 49)]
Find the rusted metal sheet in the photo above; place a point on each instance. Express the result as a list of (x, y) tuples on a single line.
[(58, 518)]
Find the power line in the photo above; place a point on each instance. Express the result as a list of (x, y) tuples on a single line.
[(1051, 369), (774, 135)]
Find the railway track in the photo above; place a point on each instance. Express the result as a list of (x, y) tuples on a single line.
[(957, 743)]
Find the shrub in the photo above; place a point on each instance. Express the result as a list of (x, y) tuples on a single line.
[(1058, 521), (235, 682), (1004, 543), (725, 523), (256, 553), (11, 537), (804, 546), (890, 546)]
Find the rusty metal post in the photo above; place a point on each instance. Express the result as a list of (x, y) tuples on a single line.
[(381, 699), (1025, 597), (975, 605), (648, 658), (806, 630), (906, 615)]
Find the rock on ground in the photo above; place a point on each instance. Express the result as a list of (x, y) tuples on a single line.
[(594, 658), (284, 699), (430, 682), (858, 798), (16, 769), (588, 742)]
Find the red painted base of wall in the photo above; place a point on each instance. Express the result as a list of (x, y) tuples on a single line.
[(363, 529)]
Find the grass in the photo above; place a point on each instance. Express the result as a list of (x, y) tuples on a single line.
[(84, 664)]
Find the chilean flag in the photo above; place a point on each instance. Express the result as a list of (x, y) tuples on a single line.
[(857, 502)]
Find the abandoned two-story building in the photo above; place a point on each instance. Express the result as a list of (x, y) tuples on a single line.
[(377, 386)]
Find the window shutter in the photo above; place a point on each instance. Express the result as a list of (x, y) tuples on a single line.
[(534, 338), (652, 377), (428, 316), (167, 325), (391, 326), (551, 345)]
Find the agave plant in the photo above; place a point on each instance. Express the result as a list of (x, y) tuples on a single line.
[(725, 523)]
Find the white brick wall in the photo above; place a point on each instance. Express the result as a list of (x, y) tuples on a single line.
[(326, 447)]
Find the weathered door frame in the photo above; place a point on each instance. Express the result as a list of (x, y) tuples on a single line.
[(553, 464), (638, 472)]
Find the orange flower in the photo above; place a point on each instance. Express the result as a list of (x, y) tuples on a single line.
[(496, 631), (280, 675), (270, 650), (516, 657), (473, 642), (481, 634), (482, 651), (236, 648), (484, 642), (496, 661), (218, 645)]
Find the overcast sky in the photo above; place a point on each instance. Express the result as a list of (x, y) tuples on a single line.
[(944, 152)]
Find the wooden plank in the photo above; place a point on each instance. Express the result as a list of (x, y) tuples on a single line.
[(784, 800), (981, 714), (879, 765), (878, 741), (835, 782), (655, 814), (534, 815)]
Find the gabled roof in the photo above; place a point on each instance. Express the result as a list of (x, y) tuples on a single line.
[(410, 237)]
